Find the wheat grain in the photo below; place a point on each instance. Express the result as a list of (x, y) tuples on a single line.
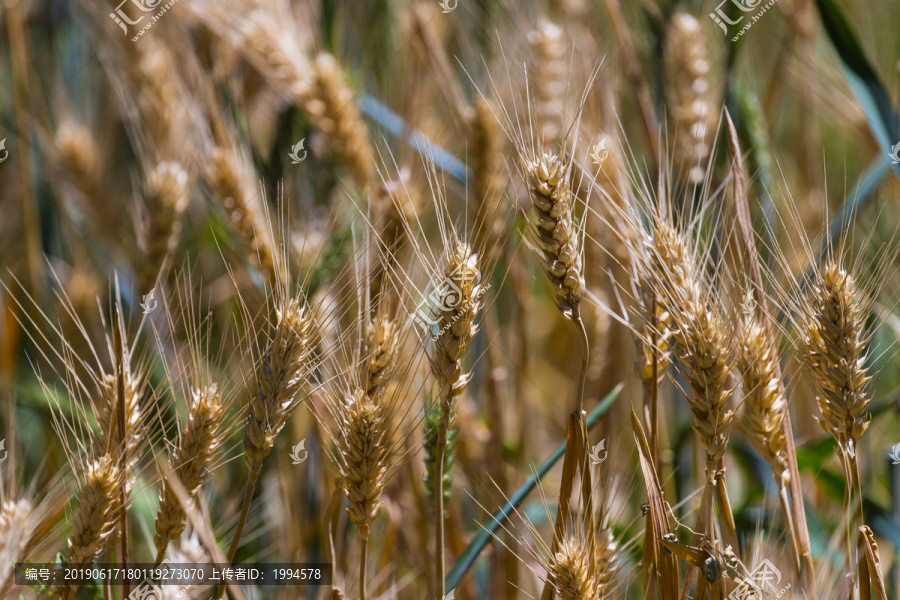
[(196, 445), (95, 514)]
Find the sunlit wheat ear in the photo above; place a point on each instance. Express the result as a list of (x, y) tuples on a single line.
[(764, 398), (331, 107), (364, 451), (558, 237), (568, 570), (703, 342), (458, 306), (548, 80), (95, 513), (227, 179), (835, 342), (167, 196), (283, 370), (105, 409), (195, 449), (689, 96), (381, 350)]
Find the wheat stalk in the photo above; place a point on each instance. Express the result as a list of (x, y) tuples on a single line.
[(196, 446)]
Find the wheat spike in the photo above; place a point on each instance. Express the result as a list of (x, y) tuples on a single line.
[(105, 411), (283, 370), (702, 340), (196, 445), (94, 516), (225, 179), (568, 571), (364, 453), (765, 401), (835, 341), (79, 157), (689, 95), (332, 109), (167, 198), (381, 347), (558, 237), (549, 80), (457, 308)]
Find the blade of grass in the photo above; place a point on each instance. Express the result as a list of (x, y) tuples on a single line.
[(489, 529)]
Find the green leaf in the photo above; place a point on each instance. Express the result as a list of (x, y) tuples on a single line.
[(866, 85), (478, 543)]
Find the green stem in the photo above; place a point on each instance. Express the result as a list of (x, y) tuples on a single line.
[(585, 352), (440, 450)]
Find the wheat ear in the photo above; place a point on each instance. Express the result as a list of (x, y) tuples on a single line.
[(283, 369), (196, 446), (94, 517), (835, 340), (568, 571), (487, 165), (225, 179), (458, 305), (167, 198), (549, 80), (382, 346), (364, 448), (689, 95), (705, 352), (329, 103)]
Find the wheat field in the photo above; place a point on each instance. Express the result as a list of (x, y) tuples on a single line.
[(457, 300)]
